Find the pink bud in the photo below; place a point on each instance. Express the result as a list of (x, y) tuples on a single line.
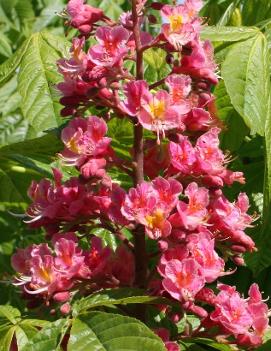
[(152, 19), (65, 309), (62, 296), (238, 260), (157, 5), (238, 248)]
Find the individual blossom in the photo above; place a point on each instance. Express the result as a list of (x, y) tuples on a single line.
[(158, 114), (200, 63), (183, 26), (86, 145), (134, 91), (124, 273), (182, 155), (193, 213), (98, 258), (202, 248), (230, 220), (179, 86), (112, 46), (83, 16), (150, 205), (183, 279), (69, 258), (38, 275)]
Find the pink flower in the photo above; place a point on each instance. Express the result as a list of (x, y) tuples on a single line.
[(194, 213), (179, 88), (247, 319), (78, 62), (182, 155), (259, 312), (150, 205), (197, 119), (84, 138), (183, 27), (200, 64), (231, 311), (231, 219), (183, 279), (134, 92), (69, 258), (112, 46), (202, 247), (210, 159), (55, 203), (98, 259), (158, 114), (83, 16), (164, 335)]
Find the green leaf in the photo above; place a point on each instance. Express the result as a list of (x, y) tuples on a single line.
[(6, 339), (37, 78), (48, 338), (112, 9), (156, 67), (5, 48), (48, 14), (229, 34), (10, 313), (25, 161), (244, 71), (214, 345), (122, 296), (9, 66), (111, 332)]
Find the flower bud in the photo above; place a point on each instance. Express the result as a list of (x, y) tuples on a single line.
[(152, 19), (65, 309), (238, 260), (157, 6), (62, 296)]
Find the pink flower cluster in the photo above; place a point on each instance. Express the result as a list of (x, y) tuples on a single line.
[(178, 202), (58, 273), (246, 319), (86, 146), (204, 160)]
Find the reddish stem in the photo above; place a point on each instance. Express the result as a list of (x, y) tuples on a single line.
[(139, 235)]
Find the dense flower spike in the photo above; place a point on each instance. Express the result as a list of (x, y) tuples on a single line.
[(174, 230)]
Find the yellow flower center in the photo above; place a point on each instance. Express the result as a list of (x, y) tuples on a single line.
[(176, 22), (45, 274), (156, 219), (158, 108), (73, 146)]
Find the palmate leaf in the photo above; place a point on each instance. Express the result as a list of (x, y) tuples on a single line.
[(229, 34), (36, 80), (48, 338), (21, 162), (111, 332), (244, 71), (123, 296), (9, 66), (12, 324)]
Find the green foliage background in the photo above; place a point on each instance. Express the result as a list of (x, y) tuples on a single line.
[(32, 38)]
